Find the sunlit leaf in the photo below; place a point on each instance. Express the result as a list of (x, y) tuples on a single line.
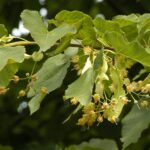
[(73, 17), (104, 26), (131, 50), (124, 20), (45, 39)]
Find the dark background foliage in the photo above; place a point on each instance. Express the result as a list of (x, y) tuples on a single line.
[(44, 130)]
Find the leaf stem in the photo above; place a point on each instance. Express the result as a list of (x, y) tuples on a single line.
[(20, 43)]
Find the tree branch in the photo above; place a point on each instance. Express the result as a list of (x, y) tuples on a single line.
[(24, 43)]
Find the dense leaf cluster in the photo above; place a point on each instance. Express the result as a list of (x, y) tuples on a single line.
[(101, 51)]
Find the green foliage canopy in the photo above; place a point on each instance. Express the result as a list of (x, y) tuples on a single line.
[(101, 51)]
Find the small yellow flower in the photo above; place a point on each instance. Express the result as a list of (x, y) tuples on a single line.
[(76, 66), (34, 77), (74, 101), (144, 104), (3, 90), (81, 122), (15, 79), (105, 106), (100, 119), (44, 90), (75, 58), (87, 50), (96, 98), (113, 119), (22, 93)]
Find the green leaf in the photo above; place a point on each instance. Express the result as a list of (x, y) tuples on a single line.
[(144, 33), (144, 25), (53, 36), (104, 26), (83, 23), (131, 50), (15, 54), (81, 88), (144, 17), (7, 73), (50, 76), (39, 32), (125, 20), (88, 36), (128, 24), (131, 32), (73, 17), (133, 125), (3, 30), (95, 144), (118, 42)]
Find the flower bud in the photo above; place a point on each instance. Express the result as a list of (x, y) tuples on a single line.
[(3, 90), (37, 56), (144, 104), (22, 93), (100, 119), (34, 77), (87, 50), (76, 66), (113, 119), (81, 121), (96, 98), (105, 105), (15, 79), (44, 90), (27, 74)]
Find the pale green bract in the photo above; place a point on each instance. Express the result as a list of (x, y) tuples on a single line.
[(81, 88)]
